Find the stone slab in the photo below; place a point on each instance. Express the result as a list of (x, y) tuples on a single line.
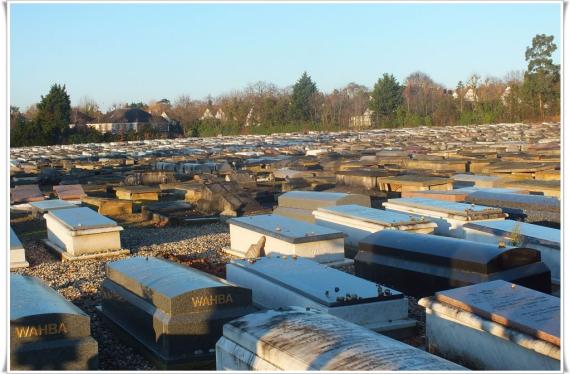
[(50, 205), (82, 218), (518, 307), (529, 233), (66, 256), (371, 215), (69, 192), (457, 209), (313, 200), (25, 194), (286, 229), (297, 339)]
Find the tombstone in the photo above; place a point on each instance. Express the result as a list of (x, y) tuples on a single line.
[(174, 314), (108, 206), (41, 207), (300, 204), (404, 183), (69, 192), (449, 216), (495, 326), (360, 177), (536, 187), (17, 252), (25, 194), (420, 265), (286, 236), (544, 239), (47, 332), (82, 233), (137, 193), (280, 281), (531, 208), (302, 339), (481, 181), (358, 222)]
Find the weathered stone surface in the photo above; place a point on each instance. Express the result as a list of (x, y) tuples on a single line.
[(44, 206), (137, 193), (298, 339), (47, 332), (69, 192), (25, 194), (313, 200), (173, 313), (294, 281), (521, 308), (420, 264), (108, 206), (17, 252)]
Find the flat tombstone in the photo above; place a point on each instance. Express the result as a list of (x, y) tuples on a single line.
[(47, 332), (17, 252), (172, 313), (529, 311), (50, 205), (297, 339), (25, 194), (69, 191)]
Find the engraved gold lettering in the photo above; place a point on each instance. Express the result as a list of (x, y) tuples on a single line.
[(22, 332), (33, 331), (62, 328), (212, 300), (52, 329)]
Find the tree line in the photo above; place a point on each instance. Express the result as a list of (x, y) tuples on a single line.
[(263, 108)]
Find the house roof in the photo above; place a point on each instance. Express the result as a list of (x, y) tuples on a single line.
[(126, 115)]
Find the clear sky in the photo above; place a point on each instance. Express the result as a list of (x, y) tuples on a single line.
[(140, 52)]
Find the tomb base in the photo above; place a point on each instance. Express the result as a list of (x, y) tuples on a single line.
[(66, 256)]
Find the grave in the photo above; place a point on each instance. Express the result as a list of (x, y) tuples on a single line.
[(360, 177), (174, 314), (17, 252), (285, 236), (481, 181), (404, 183), (82, 233), (420, 265), (280, 281), (457, 195), (44, 206), (544, 239), (532, 208), (495, 326), (25, 194), (536, 187), (47, 332), (300, 339), (69, 192), (449, 216), (357, 222), (108, 206), (137, 193), (300, 205)]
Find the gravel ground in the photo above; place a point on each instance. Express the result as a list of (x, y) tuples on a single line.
[(197, 246)]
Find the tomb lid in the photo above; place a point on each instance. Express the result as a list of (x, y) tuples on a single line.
[(531, 234), (315, 195), (474, 178), (450, 252), (297, 339), (414, 180), (322, 284), (172, 287), (137, 189), (47, 205), (445, 206), (377, 216), (35, 305), (15, 242), (520, 308), (81, 218), (541, 202), (286, 229), (360, 172)]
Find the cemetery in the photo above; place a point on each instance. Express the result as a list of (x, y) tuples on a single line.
[(428, 248)]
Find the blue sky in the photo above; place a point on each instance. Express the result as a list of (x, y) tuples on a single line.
[(139, 52)]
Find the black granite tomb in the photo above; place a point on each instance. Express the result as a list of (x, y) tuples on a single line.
[(47, 332), (420, 264), (174, 314)]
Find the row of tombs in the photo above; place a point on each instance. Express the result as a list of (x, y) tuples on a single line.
[(285, 306)]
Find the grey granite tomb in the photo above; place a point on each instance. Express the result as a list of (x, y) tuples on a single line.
[(298, 339), (172, 313), (47, 332)]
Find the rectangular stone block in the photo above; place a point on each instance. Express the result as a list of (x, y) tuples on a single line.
[(544, 239), (69, 192), (172, 313), (25, 194), (82, 231), (47, 332), (137, 193), (495, 326), (299, 339), (449, 216), (41, 207), (420, 265), (280, 281), (17, 252), (358, 222), (285, 236)]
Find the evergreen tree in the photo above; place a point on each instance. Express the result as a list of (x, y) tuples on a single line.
[(387, 96), (53, 114), (303, 92)]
